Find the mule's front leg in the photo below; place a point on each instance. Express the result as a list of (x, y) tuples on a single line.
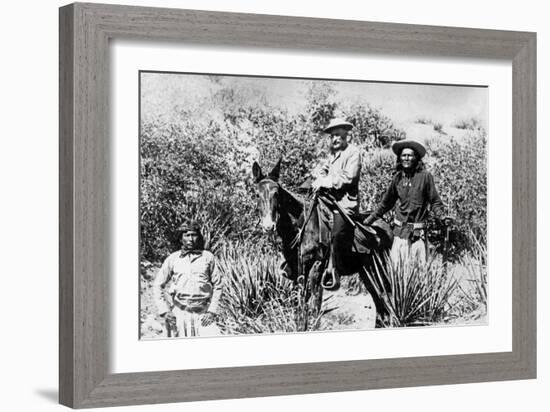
[(314, 277)]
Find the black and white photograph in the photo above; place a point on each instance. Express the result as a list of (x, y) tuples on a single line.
[(283, 205)]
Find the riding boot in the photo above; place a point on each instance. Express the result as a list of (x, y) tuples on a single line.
[(342, 238)]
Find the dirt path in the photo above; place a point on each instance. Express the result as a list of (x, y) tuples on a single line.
[(352, 311)]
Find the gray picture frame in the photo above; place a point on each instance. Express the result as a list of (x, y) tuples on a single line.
[(85, 31)]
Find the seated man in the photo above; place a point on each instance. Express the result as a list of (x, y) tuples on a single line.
[(340, 176), (188, 287)]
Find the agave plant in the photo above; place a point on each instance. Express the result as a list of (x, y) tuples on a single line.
[(413, 294), (257, 299)]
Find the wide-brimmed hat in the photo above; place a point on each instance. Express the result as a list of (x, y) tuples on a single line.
[(338, 122), (398, 147)]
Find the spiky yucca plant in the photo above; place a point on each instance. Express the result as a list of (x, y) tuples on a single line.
[(257, 299), (413, 294)]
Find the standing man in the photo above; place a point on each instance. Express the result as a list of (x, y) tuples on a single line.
[(340, 176), (188, 287), (413, 189)]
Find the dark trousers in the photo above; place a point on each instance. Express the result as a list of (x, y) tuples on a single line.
[(342, 241)]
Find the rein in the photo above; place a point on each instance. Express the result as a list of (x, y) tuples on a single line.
[(312, 202), (298, 238)]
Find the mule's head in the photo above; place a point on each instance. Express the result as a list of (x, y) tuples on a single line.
[(268, 190)]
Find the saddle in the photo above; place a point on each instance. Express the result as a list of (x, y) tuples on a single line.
[(366, 238), (364, 241)]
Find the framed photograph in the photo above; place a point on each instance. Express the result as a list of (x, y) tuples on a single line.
[(257, 205)]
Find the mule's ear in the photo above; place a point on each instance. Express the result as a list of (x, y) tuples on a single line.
[(274, 174), (257, 172)]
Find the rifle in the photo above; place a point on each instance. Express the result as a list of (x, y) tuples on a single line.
[(168, 329), (346, 216), (171, 330)]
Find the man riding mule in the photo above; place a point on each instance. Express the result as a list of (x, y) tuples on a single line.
[(303, 226), (339, 175)]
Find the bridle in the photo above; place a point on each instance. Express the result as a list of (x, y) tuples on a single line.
[(275, 211)]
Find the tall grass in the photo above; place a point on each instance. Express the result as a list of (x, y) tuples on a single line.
[(472, 291)]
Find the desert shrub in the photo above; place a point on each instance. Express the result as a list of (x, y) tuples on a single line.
[(377, 171), (186, 174), (280, 136), (320, 105), (471, 299), (423, 120), (372, 129), (438, 127), (468, 124), (460, 173)]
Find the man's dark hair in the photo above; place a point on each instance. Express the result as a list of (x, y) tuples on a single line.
[(191, 225)]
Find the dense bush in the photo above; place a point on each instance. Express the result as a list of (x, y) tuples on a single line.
[(186, 173), (460, 172), (372, 130), (376, 174)]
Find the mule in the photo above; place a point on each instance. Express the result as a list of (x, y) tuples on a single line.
[(298, 224)]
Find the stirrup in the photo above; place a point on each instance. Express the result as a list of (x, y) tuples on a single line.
[(330, 280)]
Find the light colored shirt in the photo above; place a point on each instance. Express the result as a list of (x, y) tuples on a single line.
[(341, 172), (190, 278)]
